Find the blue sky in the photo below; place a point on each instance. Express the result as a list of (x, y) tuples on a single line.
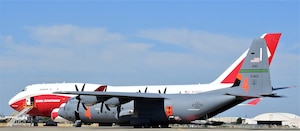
[(144, 42)]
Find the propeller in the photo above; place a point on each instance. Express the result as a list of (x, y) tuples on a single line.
[(101, 107), (165, 90), (144, 91), (77, 115), (118, 110), (78, 97)]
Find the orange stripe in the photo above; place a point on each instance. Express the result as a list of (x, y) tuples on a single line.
[(169, 110), (239, 76)]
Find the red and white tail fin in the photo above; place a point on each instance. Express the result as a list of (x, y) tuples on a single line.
[(229, 75)]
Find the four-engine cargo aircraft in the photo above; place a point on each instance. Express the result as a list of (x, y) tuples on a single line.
[(39, 100), (159, 110)]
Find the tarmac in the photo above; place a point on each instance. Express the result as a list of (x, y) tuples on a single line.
[(27, 128)]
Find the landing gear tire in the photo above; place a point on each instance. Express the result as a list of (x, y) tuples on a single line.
[(147, 126), (105, 124), (77, 123), (137, 126), (34, 121), (164, 126), (155, 126)]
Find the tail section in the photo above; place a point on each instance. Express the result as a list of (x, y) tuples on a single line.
[(253, 79), (272, 40), (229, 75), (251, 103)]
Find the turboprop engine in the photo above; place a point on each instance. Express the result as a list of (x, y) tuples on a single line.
[(88, 100), (112, 102)]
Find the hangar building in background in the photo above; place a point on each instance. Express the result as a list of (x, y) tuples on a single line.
[(280, 119)]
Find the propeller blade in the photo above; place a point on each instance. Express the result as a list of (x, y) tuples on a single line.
[(159, 92), (107, 107), (77, 115), (118, 110), (76, 87), (78, 97), (139, 91), (165, 91), (78, 105), (101, 107), (84, 106), (146, 89), (82, 89)]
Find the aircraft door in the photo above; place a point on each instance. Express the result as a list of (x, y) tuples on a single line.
[(29, 101)]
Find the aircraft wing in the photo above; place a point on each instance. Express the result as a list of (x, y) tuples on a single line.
[(115, 94)]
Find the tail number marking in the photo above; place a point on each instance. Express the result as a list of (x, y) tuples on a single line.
[(245, 85)]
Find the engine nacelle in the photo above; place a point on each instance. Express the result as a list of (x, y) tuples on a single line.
[(55, 117), (123, 113), (89, 100), (112, 102)]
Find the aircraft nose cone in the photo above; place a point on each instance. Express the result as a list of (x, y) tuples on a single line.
[(13, 103), (10, 102)]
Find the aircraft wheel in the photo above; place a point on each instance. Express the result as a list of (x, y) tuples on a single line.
[(147, 126), (155, 126), (164, 126), (105, 124), (137, 126), (77, 123)]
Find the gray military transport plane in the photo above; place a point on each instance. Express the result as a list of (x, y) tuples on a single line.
[(160, 110)]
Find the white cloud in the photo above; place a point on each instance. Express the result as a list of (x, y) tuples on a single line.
[(70, 34), (68, 49), (63, 48), (6, 39), (197, 41)]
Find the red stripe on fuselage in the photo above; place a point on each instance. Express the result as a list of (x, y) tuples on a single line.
[(43, 104), (54, 115)]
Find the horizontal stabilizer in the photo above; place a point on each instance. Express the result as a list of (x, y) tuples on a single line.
[(280, 88), (249, 96), (245, 96), (251, 103), (273, 95)]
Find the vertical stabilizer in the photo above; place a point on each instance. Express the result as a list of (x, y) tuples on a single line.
[(253, 79), (228, 76)]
